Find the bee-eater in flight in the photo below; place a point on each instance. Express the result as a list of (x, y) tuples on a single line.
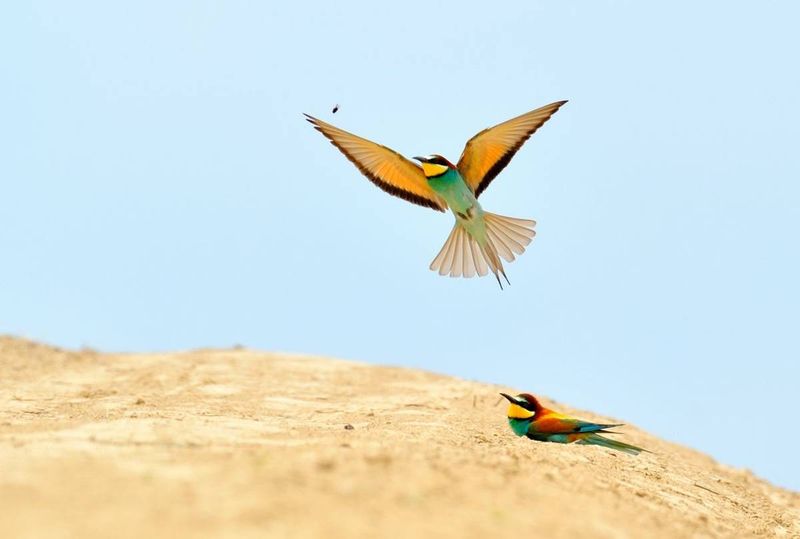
[(527, 417), (479, 238)]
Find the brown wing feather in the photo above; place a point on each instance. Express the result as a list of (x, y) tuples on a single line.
[(488, 152), (382, 166)]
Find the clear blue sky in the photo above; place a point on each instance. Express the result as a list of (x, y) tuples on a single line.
[(159, 190)]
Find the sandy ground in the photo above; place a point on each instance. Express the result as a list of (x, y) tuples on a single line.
[(237, 443)]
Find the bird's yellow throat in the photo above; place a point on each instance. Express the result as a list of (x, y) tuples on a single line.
[(432, 169), (518, 412)]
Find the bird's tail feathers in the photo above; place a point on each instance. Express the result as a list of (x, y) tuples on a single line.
[(596, 439), (462, 255), (509, 235)]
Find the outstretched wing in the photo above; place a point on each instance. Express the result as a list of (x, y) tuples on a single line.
[(488, 152), (383, 166)]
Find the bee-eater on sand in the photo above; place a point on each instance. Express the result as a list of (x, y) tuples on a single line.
[(527, 417), (479, 238)]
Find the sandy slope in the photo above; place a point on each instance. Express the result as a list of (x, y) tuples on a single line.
[(247, 444)]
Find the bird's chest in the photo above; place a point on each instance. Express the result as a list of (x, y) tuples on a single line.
[(458, 196), (519, 426)]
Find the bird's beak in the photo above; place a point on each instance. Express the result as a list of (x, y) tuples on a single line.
[(511, 399), (420, 159)]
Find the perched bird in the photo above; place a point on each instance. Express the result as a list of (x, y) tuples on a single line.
[(479, 238), (529, 418)]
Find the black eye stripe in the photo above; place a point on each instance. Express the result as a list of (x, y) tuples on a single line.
[(527, 405)]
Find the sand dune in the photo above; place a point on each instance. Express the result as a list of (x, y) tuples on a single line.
[(239, 443)]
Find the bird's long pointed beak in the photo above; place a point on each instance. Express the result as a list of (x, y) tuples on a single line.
[(420, 159), (510, 398)]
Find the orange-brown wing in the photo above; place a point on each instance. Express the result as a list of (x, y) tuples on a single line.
[(488, 152), (550, 422), (383, 166)]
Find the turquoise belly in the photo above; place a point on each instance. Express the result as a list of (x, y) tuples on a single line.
[(452, 188), (462, 202)]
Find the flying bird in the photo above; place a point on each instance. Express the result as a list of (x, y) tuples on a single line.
[(479, 238), (527, 417), (335, 108)]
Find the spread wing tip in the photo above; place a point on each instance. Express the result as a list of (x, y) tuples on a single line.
[(556, 105), (393, 173)]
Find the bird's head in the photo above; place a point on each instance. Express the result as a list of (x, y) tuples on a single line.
[(434, 165), (524, 406)]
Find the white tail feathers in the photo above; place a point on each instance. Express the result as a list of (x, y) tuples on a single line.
[(462, 255), (509, 235)]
